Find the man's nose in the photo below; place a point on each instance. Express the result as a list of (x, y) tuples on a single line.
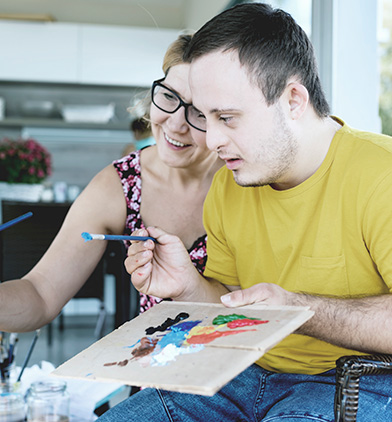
[(215, 139)]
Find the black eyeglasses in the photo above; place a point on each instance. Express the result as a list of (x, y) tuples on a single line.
[(169, 102)]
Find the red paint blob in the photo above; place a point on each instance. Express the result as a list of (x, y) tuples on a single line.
[(245, 322)]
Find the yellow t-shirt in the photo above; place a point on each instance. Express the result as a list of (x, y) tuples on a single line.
[(330, 235)]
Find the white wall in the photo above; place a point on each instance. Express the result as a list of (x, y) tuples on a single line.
[(344, 33), (198, 12)]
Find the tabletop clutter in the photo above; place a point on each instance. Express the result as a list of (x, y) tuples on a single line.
[(43, 400), (38, 397)]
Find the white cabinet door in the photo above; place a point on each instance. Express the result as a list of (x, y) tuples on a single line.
[(77, 53), (39, 52), (123, 56)]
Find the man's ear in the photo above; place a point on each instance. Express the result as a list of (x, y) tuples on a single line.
[(298, 99)]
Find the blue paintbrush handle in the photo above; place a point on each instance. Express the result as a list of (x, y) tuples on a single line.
[(15, 221), (90, 236), (118, 237)]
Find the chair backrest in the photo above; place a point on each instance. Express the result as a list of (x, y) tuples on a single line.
[(127, 297), (22, 245)]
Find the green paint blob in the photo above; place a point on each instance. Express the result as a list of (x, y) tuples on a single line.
[(224, 319)]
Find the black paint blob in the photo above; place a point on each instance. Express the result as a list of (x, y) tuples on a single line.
[(168, 323)]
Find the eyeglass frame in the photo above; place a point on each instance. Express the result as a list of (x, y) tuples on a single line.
[(158, 82)]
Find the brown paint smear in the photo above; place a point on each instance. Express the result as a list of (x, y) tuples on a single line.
[(147, 346)]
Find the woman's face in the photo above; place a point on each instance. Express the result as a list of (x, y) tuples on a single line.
[(179, 144)]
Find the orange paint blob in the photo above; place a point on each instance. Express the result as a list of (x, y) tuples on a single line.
[(207, 338)]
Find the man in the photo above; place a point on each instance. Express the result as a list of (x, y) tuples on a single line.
[(300, 215)]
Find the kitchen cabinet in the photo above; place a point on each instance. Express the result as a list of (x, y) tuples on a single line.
[(123, 56), (39, 52), (82, 53)]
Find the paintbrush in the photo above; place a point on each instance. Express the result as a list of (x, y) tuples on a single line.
[(11, 347), (15, 221), (89, 236), (30, 351), (3, 362)]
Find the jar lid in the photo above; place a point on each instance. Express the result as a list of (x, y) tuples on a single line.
[(48, 387)]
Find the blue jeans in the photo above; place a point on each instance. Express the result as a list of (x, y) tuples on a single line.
[(258, 395)]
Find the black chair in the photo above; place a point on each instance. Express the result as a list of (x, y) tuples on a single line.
[(22, 245), (348, 372)]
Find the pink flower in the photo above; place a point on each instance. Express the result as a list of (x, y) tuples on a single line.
[(24, 161)]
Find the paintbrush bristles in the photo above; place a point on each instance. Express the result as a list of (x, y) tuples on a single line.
[(89, 236)]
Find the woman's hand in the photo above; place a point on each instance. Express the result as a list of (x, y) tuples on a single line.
[(161, 269)]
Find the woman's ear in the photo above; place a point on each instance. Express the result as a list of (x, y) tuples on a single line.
[(298, 99)]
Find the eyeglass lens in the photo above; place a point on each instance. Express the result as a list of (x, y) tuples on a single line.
[(170, 102)]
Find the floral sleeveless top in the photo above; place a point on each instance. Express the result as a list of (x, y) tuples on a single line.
[(129, 171)]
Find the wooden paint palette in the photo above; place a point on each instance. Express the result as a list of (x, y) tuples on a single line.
[(204, 371)]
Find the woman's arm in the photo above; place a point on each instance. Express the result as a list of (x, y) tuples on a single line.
[(38, 297)]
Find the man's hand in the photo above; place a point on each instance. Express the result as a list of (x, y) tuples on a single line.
[(358, 323), (263, 293), (161, 269)]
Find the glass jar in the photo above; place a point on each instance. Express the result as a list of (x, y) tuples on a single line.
[(48, 401), (12, 404)]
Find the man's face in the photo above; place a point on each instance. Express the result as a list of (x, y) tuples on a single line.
[(254, 139)]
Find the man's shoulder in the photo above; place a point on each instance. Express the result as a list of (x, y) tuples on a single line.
[(369, 141), (362, 159)]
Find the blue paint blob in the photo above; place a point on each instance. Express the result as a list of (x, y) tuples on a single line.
[(176, 338), (176, 335), (185, 326), (86, 236), (133, 345)]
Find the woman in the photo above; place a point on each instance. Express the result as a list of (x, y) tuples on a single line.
[(163, 185), (176, 173)]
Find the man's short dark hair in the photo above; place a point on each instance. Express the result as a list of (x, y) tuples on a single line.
[(270, 44)]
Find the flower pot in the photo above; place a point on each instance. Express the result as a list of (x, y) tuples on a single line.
[(29, 192)]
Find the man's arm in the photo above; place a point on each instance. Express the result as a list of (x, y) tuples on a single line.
[(37, 298), (362, 324)]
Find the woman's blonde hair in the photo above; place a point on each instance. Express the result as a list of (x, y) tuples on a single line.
[(173, 57), (175, 52)]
